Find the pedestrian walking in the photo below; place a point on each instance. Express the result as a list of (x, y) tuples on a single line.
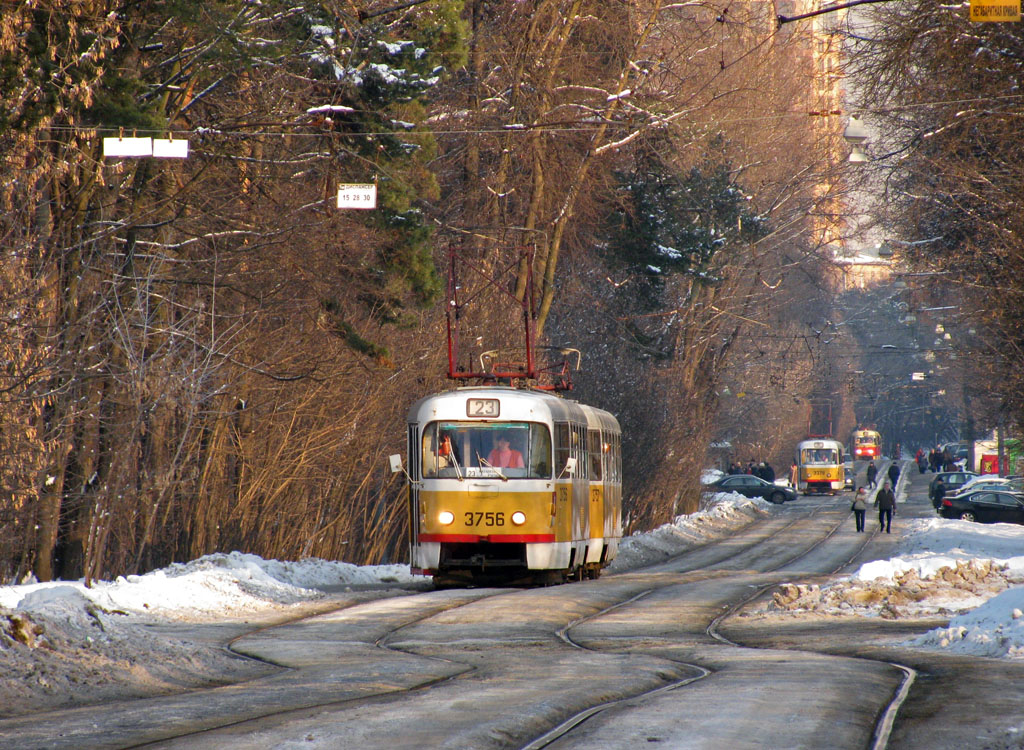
[(894, 473), (938, 492), (885, 501), (872, 472), (860, 507), (794, 475)]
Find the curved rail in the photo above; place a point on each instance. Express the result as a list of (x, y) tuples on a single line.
[(883, 727)]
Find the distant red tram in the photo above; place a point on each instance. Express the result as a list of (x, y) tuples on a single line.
[(866, 444)]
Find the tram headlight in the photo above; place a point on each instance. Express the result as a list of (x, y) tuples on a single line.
[(519, 518), (446, 517)]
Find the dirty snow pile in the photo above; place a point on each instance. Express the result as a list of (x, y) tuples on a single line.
[(970, 572), (63, 644), (721, 514)]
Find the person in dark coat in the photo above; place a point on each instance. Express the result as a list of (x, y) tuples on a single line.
[(939, 492), (894, 473), (769, 473), (885, 501), (872, 472)]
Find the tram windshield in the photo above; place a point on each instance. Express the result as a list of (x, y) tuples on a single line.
[(515, 450), (819, 457)]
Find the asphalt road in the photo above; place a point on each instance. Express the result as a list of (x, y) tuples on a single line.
[(665, 656)]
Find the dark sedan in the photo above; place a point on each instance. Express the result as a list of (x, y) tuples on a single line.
[(953, 480), (751, 486), (985, 506)]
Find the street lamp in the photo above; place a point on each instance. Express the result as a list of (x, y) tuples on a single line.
[(855, 134)]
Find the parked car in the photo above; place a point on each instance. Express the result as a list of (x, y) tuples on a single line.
[(751, 486), (983, 482), (849, 473), (1016, 483), (953, 480), (984, 506)]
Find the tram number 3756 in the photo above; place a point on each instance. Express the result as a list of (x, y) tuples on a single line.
[(480, 518)]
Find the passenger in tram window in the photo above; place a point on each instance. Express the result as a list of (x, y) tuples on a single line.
[(439, 453), (504, 456)]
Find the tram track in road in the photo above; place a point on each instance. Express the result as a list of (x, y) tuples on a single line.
[(145, 722), (564, 730), (568, 725), (712, 629), (383, 639), (888, 713), (192, 710), (393, 626)]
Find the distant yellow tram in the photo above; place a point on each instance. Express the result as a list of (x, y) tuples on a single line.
[(820, 464)]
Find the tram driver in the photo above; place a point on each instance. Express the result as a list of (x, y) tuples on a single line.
[(504, 456)]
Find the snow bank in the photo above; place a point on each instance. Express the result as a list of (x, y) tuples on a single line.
[(995, 629), (722, 513), (211, 586), (969, 571)]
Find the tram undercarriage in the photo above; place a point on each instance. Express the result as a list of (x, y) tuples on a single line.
[(501, 564)]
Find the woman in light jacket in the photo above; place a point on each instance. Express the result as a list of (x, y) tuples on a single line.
[(860, 506)]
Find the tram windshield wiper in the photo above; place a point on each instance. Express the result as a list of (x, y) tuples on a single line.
[(486, 463)]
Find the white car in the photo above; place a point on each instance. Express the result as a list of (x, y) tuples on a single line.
[(983, 482)]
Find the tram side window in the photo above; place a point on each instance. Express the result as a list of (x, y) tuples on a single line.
[(540, 452), (439, 452), (579, 445), (594, 447), (562, 446), (616, 459)]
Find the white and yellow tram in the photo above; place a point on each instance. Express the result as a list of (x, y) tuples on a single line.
[(510, 484), (820, 464)]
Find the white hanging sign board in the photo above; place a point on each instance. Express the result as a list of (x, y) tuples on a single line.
[(164, 148), (127, 146), (357, 196)]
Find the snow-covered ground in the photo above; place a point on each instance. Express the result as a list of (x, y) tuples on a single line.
[(62, 643), (969, 572)]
